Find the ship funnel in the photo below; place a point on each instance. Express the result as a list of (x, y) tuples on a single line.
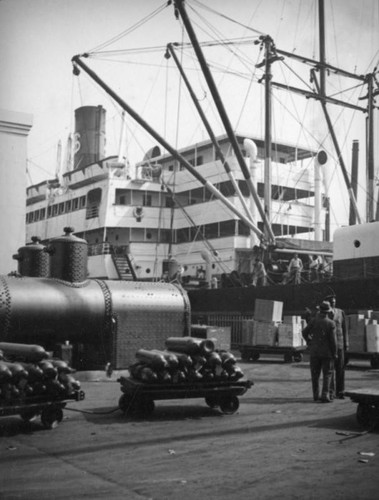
[(89, 137)]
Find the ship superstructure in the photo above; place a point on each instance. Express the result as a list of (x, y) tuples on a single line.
[(140, 219)]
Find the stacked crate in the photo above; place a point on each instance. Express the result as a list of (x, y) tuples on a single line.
[(289, 332), (363, 330), (248, 332), (267, 317)]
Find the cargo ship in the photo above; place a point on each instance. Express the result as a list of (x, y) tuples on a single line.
[(203, 214)]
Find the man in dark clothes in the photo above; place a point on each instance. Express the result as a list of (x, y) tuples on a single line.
[(320, 335), (338, 316)]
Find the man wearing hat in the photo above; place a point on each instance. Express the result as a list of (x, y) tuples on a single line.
[(338, 316), (320, 335)]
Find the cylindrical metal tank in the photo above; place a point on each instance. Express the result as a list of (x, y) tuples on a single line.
[(68, 257), (144, 315), (44, 309), (89, 137), (32, 259)]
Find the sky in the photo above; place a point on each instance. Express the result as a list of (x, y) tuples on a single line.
[(38, 38)]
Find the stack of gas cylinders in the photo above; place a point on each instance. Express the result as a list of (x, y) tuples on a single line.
[(185, 359), (27, 374)]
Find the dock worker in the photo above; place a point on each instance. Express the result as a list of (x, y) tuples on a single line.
[(338, 316), (294, 268), (320, 335), (259, 274)]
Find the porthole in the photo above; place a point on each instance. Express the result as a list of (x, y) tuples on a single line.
[(357, 243)]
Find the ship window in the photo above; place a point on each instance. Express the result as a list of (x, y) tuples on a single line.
[(197, 195), (36, 215), (211, 230), (75, 203), (169, 202), (227, 188), (146, 200), (30, 217), (199, 160), (171, 168), (82, 201), (243, 230), (42, 213), (227, 228), (148, 236), (196, 233), (122, 200), (182, 235), (148, 270), (49, 211), (61, 208), (244, 188), (68, 206), (55, 210)]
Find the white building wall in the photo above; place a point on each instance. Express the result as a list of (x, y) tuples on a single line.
[(14, 129)]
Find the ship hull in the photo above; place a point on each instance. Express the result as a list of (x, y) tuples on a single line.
[(353, 295)]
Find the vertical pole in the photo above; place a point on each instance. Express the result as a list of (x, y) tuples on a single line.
[(370, 152), (268, 138), (354, 180), (321, 15)]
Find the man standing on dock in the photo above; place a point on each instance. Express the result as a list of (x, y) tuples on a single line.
[(320, 335), (338, 316)]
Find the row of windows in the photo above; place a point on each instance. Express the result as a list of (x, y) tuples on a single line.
[(56, 209)]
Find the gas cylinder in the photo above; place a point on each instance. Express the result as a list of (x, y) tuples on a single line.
[(190, 345), (153, 359), (170, 357), (25, 352)]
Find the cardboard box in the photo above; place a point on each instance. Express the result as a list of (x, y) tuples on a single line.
[(372, 338), (356, 325), (266, 333), (289, 335), (292, 320), (221, 336), (248, 332), (268, 310)]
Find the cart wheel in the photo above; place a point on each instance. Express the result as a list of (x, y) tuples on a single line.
[(374, 361), (125, 403), (229, 405), (366, 416), (212, 401), (146, 406), (288, 357), (50, 417), (28, 415), (245, 355), (297, 357), (255, 356)]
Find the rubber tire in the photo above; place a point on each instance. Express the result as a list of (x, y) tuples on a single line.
[(146, 406), (255, 356), (298, 357), (125, 403), (245, 355), (366, 416), (212, 401), (288, 357), (51, 417), (374, 362), (28, 415), (229, 404)]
